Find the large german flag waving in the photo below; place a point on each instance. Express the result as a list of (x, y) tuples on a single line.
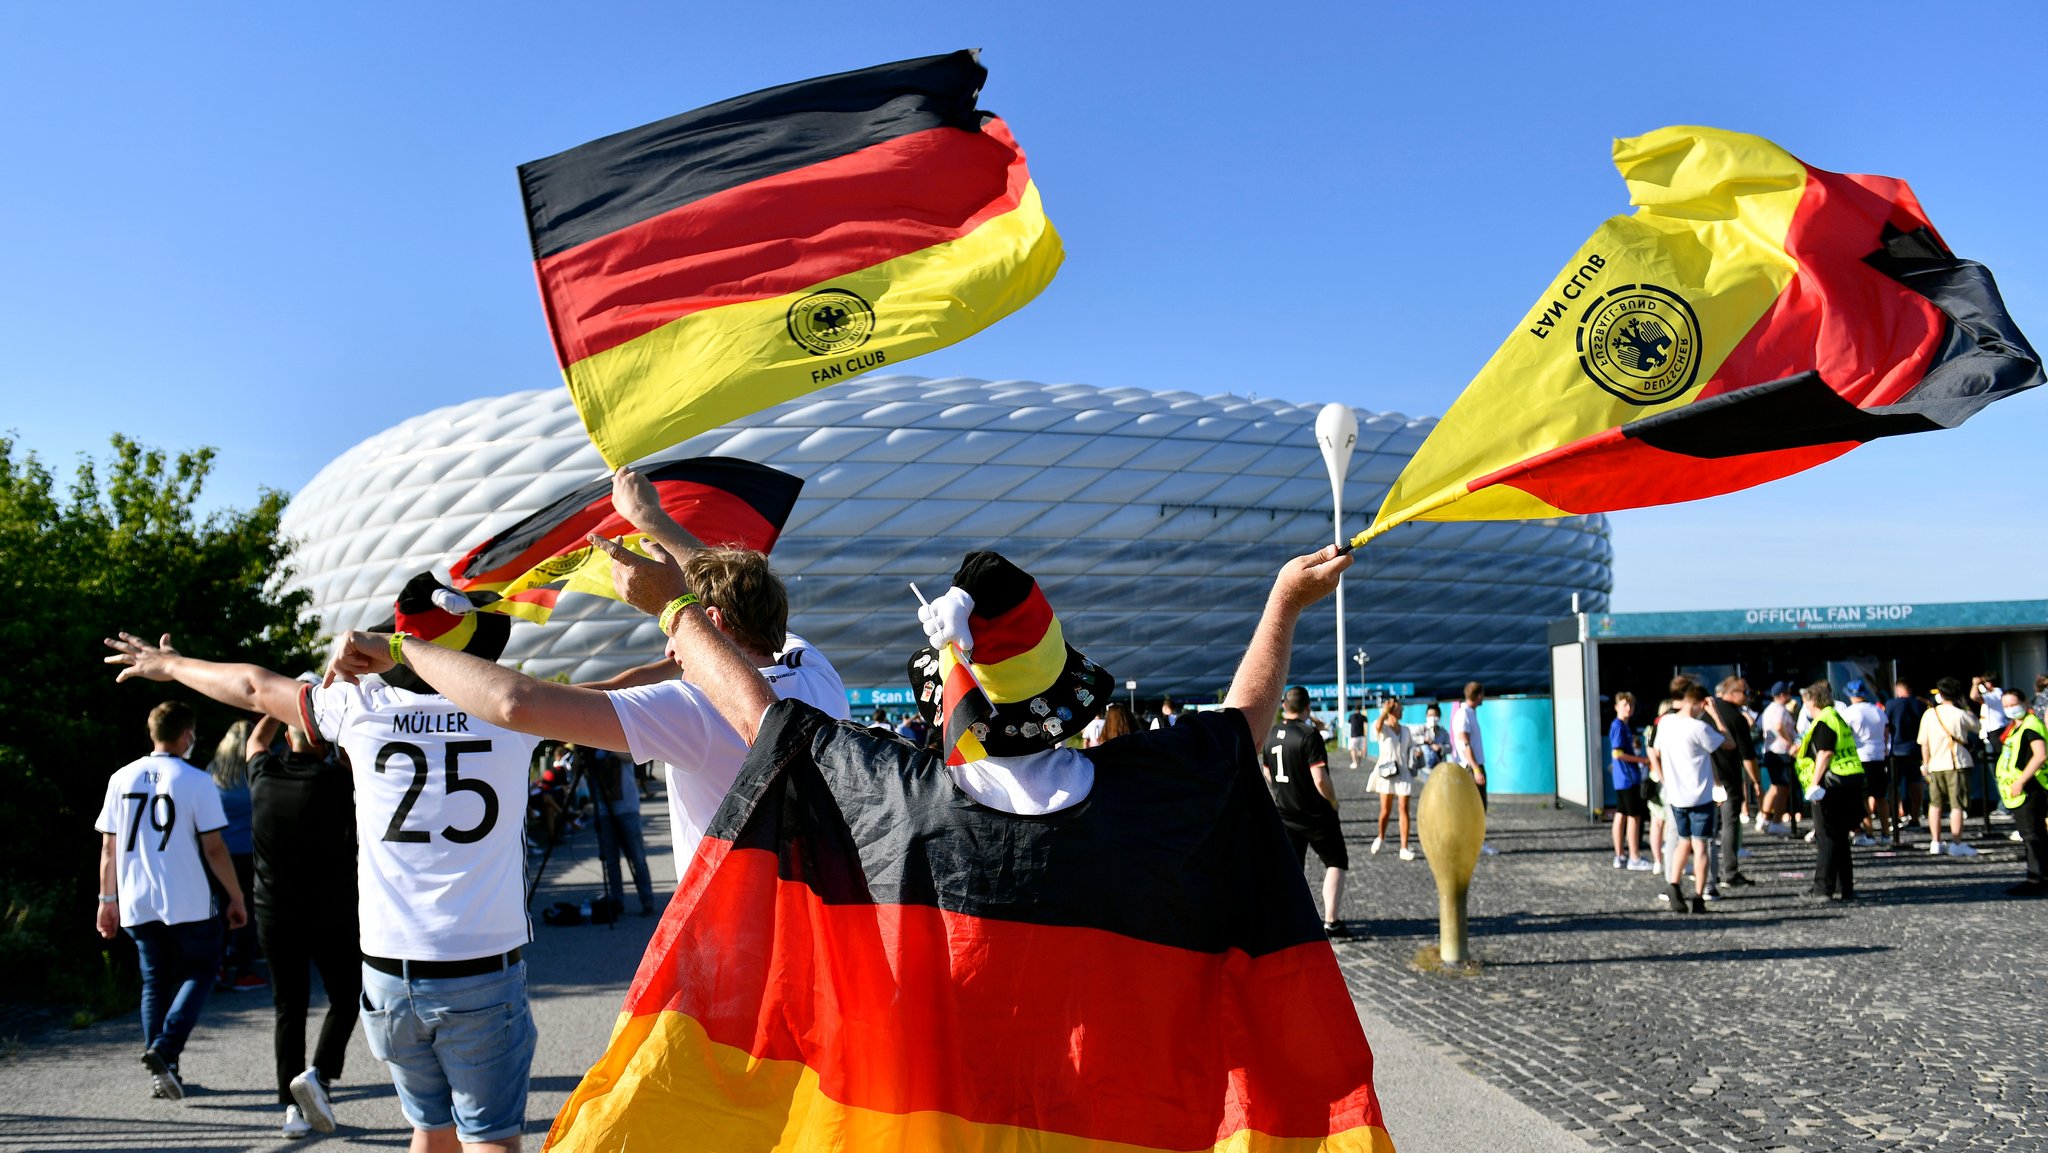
[(1755, 317), (718, 262), (861, 958), (525, 569)]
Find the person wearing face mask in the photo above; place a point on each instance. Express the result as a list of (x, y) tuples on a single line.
[(160, 829), (2020, 789)]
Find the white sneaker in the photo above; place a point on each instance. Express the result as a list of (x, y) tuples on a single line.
[(310, 1091), (1640, 866), (295, 1125), (1936, 848), (1809, 836), (1486, 850), (1620, 862), (2014, 836), (1407, 854), (1376, 843), (1959, 849)]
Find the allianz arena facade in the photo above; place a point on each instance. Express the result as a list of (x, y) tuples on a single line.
[(1154, 522)]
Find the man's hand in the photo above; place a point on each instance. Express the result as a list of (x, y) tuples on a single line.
[(145, 660), (647, 583), (109, 920), (1307, 579), (237, 915), (634, 498), (359, 654)]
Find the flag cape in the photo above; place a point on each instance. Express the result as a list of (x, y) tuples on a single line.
[(861, 958), (522, 571), (727, 259), (1756, 316)]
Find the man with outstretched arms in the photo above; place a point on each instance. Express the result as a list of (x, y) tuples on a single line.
[(441, 870), (672, 721)]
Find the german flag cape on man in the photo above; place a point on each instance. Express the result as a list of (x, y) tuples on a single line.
[(1755, 317), (524, 570), (862, 958), (728, 259)]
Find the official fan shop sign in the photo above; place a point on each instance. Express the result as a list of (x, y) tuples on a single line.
[(1891, 617)]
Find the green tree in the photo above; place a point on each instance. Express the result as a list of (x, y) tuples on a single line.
[(121, 549)]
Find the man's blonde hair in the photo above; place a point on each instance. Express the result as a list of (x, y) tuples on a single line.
[(747, 594)]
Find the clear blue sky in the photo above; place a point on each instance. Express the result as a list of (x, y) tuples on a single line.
[(280, 228)]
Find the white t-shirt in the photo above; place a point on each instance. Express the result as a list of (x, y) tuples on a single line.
[(1776, 716), (156, 808), (1465, 719), (675, 723), (1991, 710), (1684, 745), (440, 821), (1091, 733), (1031, 785), (1866, 720)]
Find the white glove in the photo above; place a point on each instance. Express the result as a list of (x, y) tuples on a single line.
[(1720, 795), (945, 621), (1815, 793)]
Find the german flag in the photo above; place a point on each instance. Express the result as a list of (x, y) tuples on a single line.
[(522, 571), (860, 958), (724, 260), (1755, 317)]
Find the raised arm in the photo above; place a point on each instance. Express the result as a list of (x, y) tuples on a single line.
[(652, 673), (261, 738), (634, 498), (251, 688), (1262, 674), (487, 690)]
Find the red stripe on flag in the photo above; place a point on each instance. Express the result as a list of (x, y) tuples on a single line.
[(711, 514), (956, 712), (902, 1008), (1609, 471), (780, 234), (1017, 631)]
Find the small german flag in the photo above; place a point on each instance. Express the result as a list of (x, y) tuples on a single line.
[(1756, 316), (522, 571), (718, 262), (860, 958)]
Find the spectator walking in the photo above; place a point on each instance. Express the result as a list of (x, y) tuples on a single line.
[(1627, 770), (1659, 834), (1170, 716), (160, 835), (1873, 748), (304, 810), (2021, 791), (1433, 740), (1947, 732), (1734, 771), (1682, 754), (1297, 770), (1902, 716), (1357, 728), (1393, 774), (879, 721), (618, 828), (1467, 748), (230, 771), (1781, 799), (1832, 771)]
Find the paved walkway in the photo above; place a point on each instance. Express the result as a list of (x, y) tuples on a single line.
[(1600, 1020)]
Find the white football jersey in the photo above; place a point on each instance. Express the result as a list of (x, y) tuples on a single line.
[(156, 808), (440, 818)]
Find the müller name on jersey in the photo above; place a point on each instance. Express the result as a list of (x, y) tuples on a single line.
[(421, 723)]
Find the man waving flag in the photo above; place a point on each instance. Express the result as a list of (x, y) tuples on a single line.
[(724, 260), (1755, 317)]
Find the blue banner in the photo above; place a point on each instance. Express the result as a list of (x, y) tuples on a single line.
[(1823, 618)]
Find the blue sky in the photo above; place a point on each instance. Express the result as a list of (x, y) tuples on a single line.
[(278, 229)]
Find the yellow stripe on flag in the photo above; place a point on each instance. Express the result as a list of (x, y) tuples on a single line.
[(1028, 673), (1713, 209), (663, 1084), (709, 368)]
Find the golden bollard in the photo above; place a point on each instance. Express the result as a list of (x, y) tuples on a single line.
[(1453, 826)]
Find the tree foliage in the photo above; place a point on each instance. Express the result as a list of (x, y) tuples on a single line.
[(122, 548)]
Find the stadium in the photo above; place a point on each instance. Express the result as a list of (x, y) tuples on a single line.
[(1153, 520)]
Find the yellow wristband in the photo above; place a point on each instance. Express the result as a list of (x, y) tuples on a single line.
[(398, 648), (675, 609)]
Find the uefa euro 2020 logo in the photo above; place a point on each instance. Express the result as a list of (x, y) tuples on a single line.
[(1640, 342)]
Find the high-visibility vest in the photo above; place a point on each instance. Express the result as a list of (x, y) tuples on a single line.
[(2009, 767), (1844, 762)]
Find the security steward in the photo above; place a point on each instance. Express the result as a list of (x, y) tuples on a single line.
[(2020, 788), (1826, 760)]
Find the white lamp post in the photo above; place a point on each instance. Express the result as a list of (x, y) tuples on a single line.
[(1337, 433)]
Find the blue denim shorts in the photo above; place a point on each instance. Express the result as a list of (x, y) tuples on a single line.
[(1693, 820), (460, 1049)]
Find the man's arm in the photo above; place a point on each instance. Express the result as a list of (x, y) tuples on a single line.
[(223, 869), (1261, 675), (2033, 767), (487, 690), (250, 688), (652, 673), (1320, 774), (634, 498), (108, 920), (261, 738)]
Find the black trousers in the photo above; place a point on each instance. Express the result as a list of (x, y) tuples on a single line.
[(1835, 820), (2032, 816), (1731, 834), (295, 949)]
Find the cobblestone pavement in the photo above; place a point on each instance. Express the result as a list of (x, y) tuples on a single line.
[(1912, 1020)]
